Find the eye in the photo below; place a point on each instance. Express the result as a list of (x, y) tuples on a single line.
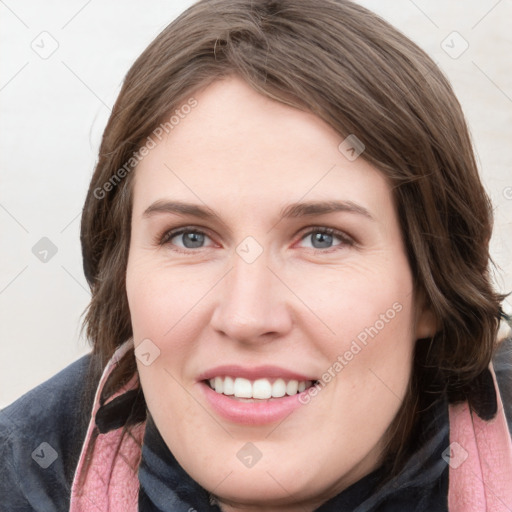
[(323, 238), (189, 238)]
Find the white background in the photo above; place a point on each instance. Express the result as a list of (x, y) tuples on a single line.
[(53, 112)]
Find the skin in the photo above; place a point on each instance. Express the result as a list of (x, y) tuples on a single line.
[(296, 306)]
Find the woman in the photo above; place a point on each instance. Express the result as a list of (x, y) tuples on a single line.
[(286, 240)]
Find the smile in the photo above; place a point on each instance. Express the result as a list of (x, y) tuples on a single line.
[(260, 389), (249, 395)]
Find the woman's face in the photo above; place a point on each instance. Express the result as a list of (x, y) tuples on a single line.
[(262, 300)]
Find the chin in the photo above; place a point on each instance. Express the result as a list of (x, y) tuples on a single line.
[(272, 485)]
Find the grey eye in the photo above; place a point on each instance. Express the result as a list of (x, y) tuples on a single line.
[(324, 238), (321, 240), (192, 239)]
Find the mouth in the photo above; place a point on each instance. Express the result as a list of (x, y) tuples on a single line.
[(262, 389), (254, 396)]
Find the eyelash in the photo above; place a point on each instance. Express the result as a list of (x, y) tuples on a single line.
[(166, 236)]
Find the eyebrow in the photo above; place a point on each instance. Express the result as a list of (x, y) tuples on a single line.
[(293, 210), (322, 208)]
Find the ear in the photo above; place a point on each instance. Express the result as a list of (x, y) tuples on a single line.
[(426, 324)]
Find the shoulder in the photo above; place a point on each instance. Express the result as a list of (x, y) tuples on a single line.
[(41, 435)]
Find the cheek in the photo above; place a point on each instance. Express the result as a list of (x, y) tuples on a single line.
[(161, 308), (356, 302), (159, 298), (165, 307), (366, 341)]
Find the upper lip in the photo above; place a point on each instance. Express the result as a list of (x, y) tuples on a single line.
[(253, 373)]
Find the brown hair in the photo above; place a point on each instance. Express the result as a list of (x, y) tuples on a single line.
[(360, 75)]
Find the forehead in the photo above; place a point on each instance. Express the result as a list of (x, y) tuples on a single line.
[(239, 149)]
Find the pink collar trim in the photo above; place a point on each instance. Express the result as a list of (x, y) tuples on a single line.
[(110, 483), (480, 471)]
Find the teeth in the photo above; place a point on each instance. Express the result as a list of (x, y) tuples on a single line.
[(292, 387), (279, 388), (243, 388), (262, 389), (219, 384), (229, 386)]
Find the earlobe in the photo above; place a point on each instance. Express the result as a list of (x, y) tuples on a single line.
[(426, 325), (426, 321)]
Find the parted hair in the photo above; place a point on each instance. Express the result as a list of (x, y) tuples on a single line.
[(363, 77)]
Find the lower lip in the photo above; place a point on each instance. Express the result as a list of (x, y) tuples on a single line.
[(251, 413)]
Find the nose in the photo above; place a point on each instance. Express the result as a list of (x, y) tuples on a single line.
[(253, 304)]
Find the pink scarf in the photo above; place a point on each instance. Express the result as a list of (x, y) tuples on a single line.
[(480, 473)]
